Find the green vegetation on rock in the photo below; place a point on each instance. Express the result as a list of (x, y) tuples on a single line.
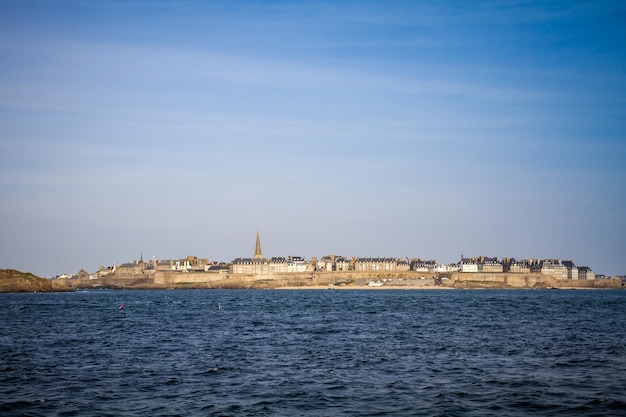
[(17, 281)]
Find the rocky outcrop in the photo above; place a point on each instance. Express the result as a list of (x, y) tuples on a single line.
[(16, 281)]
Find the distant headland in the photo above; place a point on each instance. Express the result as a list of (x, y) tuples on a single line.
[(17, 281)]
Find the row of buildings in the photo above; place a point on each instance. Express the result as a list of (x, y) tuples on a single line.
[(332, 263), (258, 264), (555, 267)]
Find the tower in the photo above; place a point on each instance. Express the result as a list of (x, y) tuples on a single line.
[(258, 254)]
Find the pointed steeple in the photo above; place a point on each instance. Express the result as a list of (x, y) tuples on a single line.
[(258, 254), (142, 265)]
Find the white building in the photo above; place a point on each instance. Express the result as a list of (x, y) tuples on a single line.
[(469, 267)]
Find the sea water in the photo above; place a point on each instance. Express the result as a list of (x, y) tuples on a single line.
[(313, 353)]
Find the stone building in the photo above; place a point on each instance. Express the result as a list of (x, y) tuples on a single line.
[(584, 272), (378, 264), (249, 266), (572, 270), (296, 264), (255, 265), (420, 265), (468, 264), (511, 265), (278, 265), (480, 264), (329, 263), (343, 264), (553, 267), (489, 265), (131, 269)]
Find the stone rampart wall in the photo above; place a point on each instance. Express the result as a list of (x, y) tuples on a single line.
[(507, 280), (170, 278), (167, 279)]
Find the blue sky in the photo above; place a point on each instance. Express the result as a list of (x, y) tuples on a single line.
[(370, 128)]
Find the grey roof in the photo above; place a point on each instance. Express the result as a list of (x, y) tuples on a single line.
[(240, 261), (376, 260)]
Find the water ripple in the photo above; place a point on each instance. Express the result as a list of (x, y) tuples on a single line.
[(313, 353)]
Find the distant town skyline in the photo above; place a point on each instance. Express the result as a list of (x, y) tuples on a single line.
[(258, 263), (373, 128)]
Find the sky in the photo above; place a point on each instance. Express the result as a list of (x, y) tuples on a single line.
[(429, 129)]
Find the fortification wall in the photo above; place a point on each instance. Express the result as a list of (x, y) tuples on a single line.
[(507, 280), (411, 279), (170, 278)]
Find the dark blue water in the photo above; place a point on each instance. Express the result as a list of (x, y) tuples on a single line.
[(313, 353)]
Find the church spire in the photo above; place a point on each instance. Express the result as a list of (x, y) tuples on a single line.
[(257, 250)]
